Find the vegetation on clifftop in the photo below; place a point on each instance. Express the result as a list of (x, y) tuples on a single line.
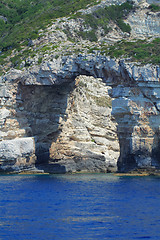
[(139, 50), (21, 19), (102, 16), (154, 8)]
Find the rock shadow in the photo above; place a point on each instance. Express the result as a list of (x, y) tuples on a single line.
[(40, 111), (139, 146), (156, 151)]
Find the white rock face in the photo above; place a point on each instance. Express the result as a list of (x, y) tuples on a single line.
[(15, 148), (72, 118), (88, 136), (17, 153), (144, 24), (4, 113)]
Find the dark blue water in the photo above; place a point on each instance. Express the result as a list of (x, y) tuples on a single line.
[(73, 207)]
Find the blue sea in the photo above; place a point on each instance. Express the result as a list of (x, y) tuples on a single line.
[(79, 207)]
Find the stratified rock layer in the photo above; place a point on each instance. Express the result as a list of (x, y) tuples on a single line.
[(137, 112), (68, 127), (88, 141), (69, 122)]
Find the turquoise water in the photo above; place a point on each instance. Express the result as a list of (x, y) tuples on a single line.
[(74, 207)]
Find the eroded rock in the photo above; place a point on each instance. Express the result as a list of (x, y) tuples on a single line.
[(79, 122)]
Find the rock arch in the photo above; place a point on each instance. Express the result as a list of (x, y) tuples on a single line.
[(27, 95)]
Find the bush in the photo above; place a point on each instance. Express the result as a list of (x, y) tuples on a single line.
[(102, 16), (40, 60), (16, 60), (154, 8), (140, 50), (90, 35), (123, 26)]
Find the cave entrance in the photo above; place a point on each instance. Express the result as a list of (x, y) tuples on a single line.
[(43, 109)]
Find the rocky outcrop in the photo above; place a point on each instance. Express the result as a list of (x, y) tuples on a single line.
[(149, 27), (67, 123), (144, 23), (3, 18), (58, 121), (65, 36), (136, 109), (88, 141), (17, 154)]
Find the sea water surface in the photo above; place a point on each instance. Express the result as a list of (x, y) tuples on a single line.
[(80, 206)]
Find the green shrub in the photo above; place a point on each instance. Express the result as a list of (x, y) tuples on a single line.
[(26, 17), (54, 47), (118, 53), (140, 50), (45, 48), (155, 60), (156, 40), (40, 60), (123, 26), (90, 35), (15, 60), (102, 16), (154, 8)]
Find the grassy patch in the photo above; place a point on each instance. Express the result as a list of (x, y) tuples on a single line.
[(16, 60), (45, 48), (88, 35), (40, 60), (154, 8), (22, 20), (103, 101), (140, 50), (26, 17)]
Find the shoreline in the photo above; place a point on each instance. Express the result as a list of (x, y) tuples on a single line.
[(117, 174)]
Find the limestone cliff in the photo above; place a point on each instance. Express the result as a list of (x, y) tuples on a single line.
[(70, 110), (73, 123), (62, 128)]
